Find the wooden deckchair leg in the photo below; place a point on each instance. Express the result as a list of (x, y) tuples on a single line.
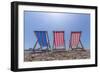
[(53, 44), (64, 41), (53, 41), (35, 45), (81, 45), (69, 44), (48, 40), (40, 47), (70, 41), (64, 45)]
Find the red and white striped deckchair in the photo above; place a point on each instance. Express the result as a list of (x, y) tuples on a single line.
[(58, 41), (75, 41)]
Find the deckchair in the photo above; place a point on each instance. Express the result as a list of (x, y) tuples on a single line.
[(58, 41), (75, 41), (42, 40)]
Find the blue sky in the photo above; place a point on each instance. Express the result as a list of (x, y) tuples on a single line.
[(50, 21)]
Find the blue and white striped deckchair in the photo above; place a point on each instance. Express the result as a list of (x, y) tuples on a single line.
[(42, 40)]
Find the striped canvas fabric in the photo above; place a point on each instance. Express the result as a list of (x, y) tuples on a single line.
[(41, 37), (58, 38), (75, 39)]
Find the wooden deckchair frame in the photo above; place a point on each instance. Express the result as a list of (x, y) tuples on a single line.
[(70, 46), (54, 48), (47, 38)]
